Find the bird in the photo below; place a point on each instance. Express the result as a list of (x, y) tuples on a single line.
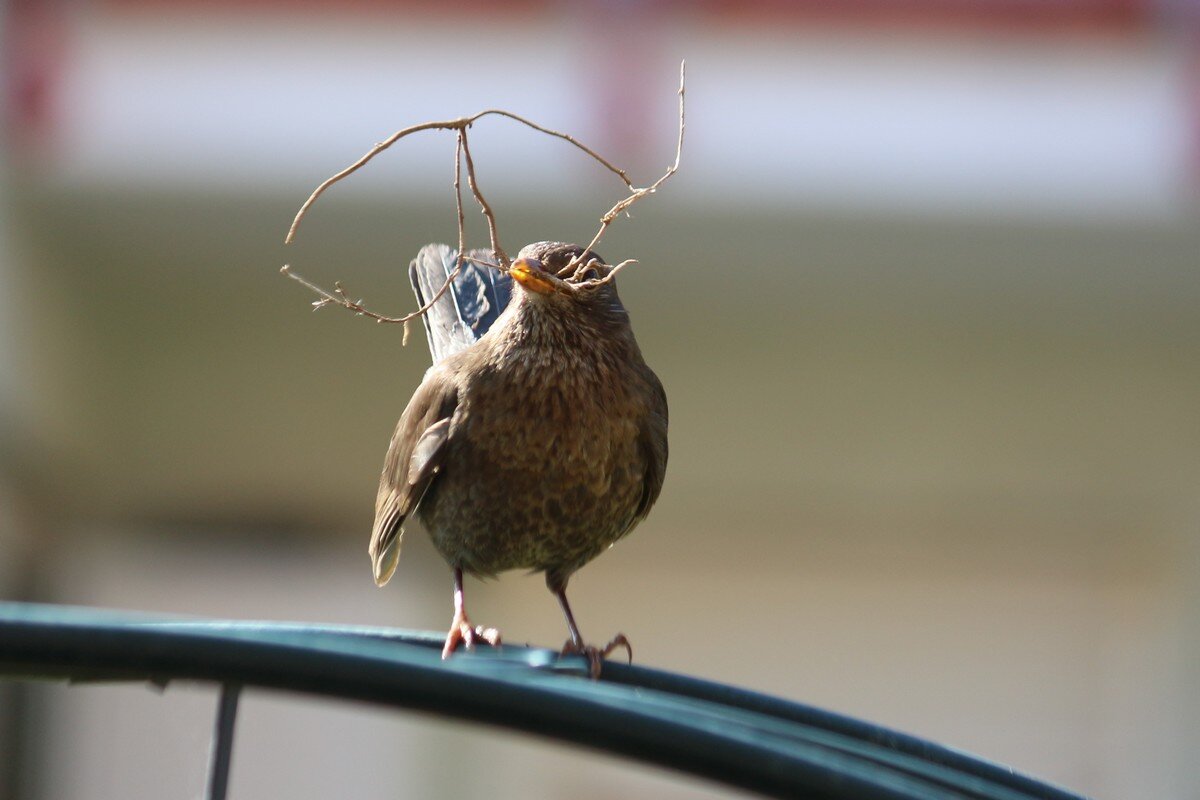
[(538, 437)]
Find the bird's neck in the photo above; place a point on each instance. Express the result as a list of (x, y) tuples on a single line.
[(561, 333)]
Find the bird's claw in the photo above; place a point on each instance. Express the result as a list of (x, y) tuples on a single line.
[(462, 632), (596, 655)]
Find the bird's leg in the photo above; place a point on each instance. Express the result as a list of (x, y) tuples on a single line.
[(576, 645), (461, 629)]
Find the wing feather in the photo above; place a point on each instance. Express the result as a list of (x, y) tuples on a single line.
[(413, 460), (654, 450)]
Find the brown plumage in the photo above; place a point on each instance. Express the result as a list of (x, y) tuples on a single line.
[(537, 447)]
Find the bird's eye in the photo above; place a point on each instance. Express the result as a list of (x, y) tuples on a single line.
[(587, 272)]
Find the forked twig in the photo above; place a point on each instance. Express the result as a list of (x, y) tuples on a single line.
[(460, 124), (462, 152), (339, 297), (637, 194), (501, 256)]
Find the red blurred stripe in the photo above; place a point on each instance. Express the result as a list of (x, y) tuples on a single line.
[(988, 14)]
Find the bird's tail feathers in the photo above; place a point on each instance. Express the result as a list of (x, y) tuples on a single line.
[(474, 300)]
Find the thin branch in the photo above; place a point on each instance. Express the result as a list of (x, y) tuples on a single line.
[(623, 205), (460, 124), (459, 146), (462, 220), (612, 273), (620, 173), (374, 151), (485, 264), (463, 153), (338, 297), (497, 250)]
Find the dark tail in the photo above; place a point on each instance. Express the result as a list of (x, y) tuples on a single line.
[(469, 306)]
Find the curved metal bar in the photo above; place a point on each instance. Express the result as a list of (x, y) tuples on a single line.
[(740, 738)]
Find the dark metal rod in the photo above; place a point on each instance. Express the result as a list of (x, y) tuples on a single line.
[(743, 739), (222, 749)]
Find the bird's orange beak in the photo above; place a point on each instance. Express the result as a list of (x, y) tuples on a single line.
[(529, 273)]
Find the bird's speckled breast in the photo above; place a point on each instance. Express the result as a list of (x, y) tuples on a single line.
[(543, 469)]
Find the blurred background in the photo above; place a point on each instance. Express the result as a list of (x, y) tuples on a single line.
[(925, 296)]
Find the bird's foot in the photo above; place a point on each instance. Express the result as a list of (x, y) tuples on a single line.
[(596, 655), (462, 632)]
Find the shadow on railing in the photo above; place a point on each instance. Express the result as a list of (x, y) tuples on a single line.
[(740, 738)]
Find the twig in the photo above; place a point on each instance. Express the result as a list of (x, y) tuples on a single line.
[(350, 170), (460, 124), (482, 263), (459, 149), (338, 297), (462, 152), (501, 256), (637, 194), (620, 173), (612, 273)]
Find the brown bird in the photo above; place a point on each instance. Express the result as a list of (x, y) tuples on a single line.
[(536, 440)]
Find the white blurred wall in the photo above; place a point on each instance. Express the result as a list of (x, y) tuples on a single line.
[(1027, 124)]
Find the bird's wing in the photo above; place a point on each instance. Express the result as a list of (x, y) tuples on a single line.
[(412, 463), (471, 304), (653, 442)]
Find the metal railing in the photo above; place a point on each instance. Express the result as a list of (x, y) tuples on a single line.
[(738, 737)]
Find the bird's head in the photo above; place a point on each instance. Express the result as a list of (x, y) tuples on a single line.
[(558, 273), (567, 302)]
